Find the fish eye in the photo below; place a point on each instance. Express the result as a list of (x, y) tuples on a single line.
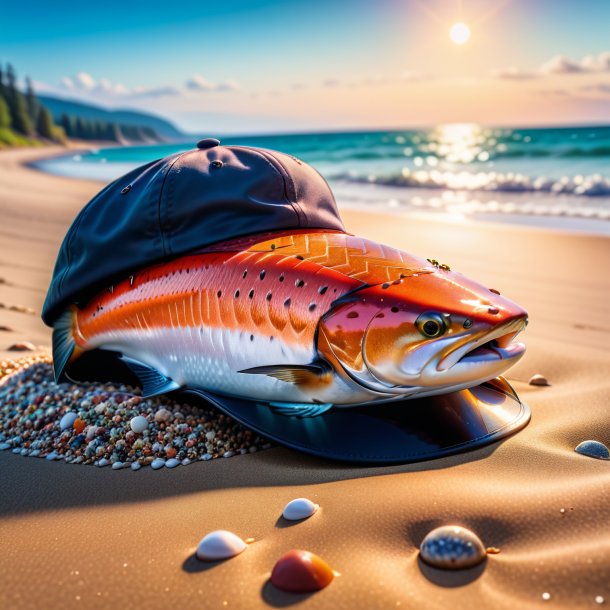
[(431, 324)]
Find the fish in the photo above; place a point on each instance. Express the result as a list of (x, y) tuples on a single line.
[(302, 321)]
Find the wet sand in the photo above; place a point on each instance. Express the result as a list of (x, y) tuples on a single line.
[(76, 536)]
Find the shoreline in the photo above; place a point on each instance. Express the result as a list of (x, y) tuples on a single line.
[(103, 537)]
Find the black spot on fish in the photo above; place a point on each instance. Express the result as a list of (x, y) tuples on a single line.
[(322, 289), (301, 258), (299, 283), (282, 277), (237, 293), (394, 309), (352, 314), (245, 273), (287, 303), (251, 293), (219, 293), (251, 337), (385, 285), (312, 306), (269, 296), (262, 274)]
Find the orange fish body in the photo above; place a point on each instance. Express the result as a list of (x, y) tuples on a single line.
[(300, 318)]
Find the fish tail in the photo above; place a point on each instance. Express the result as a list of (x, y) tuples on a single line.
[(65, 349)]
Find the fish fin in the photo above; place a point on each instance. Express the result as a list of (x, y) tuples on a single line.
[(153, 382), (299, 374), (65, 349), (301, 410)]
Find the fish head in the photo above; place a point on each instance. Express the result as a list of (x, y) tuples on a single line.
[(429, 333)]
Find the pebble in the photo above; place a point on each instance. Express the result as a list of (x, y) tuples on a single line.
[(452, 547), (593, 449), (139, 424), (117, 465), (4, 446), (67, 421), (158, 463), (538, 379), (599, 600), (301, 572), (97, 421), (546, 596), (172, 463), (298, 509), (219, 544), (136, 465), (103, 462), (22, 346)]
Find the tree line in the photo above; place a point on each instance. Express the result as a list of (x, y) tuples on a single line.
[(25, 120), (22, 116)]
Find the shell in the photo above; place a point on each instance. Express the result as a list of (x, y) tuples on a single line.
[(298, 509), (139, 424), (539, 379), (593, 449), (452, 547), (219, 544), (67, 420), (301, 572)]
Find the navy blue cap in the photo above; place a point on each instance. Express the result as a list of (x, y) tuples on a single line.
[(180, 204)]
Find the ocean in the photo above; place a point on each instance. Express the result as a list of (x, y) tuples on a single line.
[(553, 177)]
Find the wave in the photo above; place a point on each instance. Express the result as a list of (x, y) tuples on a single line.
[(595, 185)]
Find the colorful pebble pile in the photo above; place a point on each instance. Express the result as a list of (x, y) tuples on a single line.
[(109, 424)]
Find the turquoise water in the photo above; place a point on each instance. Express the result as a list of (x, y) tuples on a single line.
[(466, 170)]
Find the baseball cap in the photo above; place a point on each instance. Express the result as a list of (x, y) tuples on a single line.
[(182, 203), (190, 200)]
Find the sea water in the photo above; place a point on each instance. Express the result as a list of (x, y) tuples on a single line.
[(555, 177)]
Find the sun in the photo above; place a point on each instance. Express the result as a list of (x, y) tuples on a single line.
[(459, 33)]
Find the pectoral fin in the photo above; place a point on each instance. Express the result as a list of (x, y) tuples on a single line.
[(299, 374), (153, 382)]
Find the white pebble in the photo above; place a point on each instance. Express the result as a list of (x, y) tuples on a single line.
[(136, 465), (219, 545), (228, 454), (599, 600), (67, 420), (139, 424), (538, 379), (162, 415), (158, 463), (186, 462), (210, 435), (301, 508), (546, 596), (172, 463), (117, 465), (103, 462)]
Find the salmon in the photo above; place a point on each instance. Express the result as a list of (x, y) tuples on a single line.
[(302, 321)]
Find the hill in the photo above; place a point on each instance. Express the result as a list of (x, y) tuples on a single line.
[(160, 126)]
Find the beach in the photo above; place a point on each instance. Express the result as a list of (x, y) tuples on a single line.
[(79, 536)]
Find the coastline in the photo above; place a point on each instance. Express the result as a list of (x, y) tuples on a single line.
[(99, 537)]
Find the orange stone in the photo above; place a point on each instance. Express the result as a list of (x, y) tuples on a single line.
[(301, 572), (78, 425), (171, 452)]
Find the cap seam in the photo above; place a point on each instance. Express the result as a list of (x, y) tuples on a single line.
[(164, 238), (295, 207)]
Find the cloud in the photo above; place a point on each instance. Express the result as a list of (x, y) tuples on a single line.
[(513, 73), (200, 83), (560, 65), (84, 83), (155, 91)]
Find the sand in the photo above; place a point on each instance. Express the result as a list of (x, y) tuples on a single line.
[(76, 536)]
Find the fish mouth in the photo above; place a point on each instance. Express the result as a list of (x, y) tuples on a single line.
[(493, 346)]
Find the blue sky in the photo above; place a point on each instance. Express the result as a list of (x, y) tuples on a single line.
[(270, 65)]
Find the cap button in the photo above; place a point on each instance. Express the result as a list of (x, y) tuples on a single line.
[(207, 143)]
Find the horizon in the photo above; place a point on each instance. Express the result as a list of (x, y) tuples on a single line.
[(267, 67)]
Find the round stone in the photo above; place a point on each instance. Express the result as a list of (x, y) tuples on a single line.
[(452, 547), (298, 509), (593, 449), (67, 421), (139, 424), (301, 572), (218, 545), (539, 380)]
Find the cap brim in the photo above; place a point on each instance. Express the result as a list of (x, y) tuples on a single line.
[(397, 432)]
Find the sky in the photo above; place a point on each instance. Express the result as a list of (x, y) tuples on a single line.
[(261, 66)]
